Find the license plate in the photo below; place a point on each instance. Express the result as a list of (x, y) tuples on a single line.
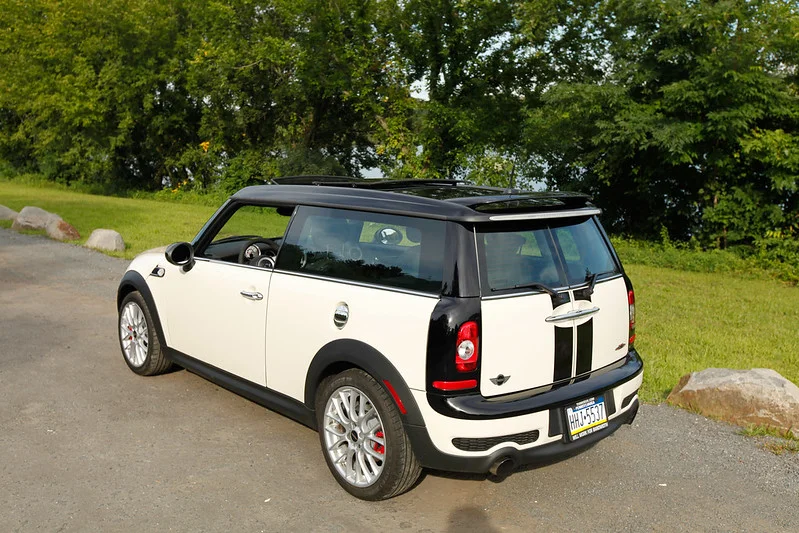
[(586, 417)]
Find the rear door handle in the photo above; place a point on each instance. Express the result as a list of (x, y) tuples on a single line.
[(572, 315), (250, 295)]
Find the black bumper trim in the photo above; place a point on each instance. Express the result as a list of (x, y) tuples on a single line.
[(431, 457), (477, 407)]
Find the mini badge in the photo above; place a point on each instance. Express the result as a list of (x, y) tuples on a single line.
[(500, 380)]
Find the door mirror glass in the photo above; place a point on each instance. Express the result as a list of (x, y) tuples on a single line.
[(180, 254)]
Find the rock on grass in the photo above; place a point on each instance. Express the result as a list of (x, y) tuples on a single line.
[(759, 396), (61, 230), (33, 218), (7, 213), (106, 239)]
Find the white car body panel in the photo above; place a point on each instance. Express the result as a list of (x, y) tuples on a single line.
[(144, 264), (611, 323), (211, 321), (300, 323), (518, 342)]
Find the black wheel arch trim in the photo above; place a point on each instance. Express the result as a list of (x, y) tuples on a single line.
[(359, 354), (135, 282), (477, 407)]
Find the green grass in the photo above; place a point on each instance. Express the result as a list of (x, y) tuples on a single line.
[(687, 320), (745, 262), (143, 223), (753, 430), (777, 441)]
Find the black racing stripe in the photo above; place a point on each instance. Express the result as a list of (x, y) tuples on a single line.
[(564, 344), (585, 346)]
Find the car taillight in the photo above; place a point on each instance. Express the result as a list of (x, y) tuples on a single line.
[(631, 303), (467, 347)]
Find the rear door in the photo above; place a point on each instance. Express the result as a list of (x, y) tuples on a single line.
[(541, 321), (602, 333)]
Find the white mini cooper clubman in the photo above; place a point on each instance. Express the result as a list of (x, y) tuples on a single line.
[(413, 324)]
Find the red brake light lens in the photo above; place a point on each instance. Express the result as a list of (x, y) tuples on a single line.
[(467, 347), (631, 302)]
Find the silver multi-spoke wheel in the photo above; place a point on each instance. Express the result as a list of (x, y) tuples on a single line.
[(354, 436), (133, 334)]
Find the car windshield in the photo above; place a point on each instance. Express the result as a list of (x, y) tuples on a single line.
[(553, 253)]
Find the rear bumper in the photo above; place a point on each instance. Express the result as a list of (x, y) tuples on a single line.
[(477, 407), (473, 433), (430, 457)]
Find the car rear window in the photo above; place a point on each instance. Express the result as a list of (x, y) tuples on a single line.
[(396, 251), (556, 253)]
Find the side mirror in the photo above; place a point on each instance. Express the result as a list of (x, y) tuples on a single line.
[(180, 254)]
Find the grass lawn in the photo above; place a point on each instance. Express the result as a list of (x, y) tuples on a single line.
[(686, 321), (143, 224)]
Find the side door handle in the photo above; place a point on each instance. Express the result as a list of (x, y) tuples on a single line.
[(251, 295), (572, 315)]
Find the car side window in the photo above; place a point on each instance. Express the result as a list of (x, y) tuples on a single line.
[(249, 233), (396, 251)]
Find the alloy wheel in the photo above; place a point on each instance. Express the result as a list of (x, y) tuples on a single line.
[(134, 334), (354, 436)]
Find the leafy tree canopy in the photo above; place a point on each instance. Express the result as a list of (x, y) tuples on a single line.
[(675, 114)]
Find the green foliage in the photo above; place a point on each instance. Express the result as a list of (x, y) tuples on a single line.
[(138, 94), (770, 259), (671, 113), (693, 125)]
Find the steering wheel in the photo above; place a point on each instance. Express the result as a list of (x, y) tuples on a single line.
[(259, 252)]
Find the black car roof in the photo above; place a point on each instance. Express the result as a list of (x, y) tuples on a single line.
[(441, 199)]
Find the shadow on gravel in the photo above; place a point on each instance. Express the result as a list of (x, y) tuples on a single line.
[(469, 519)]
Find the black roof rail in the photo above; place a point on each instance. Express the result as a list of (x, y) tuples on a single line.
[(314, 179), (365, 183)]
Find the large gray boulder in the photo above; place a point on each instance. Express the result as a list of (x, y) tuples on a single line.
[(61, 230), (106, 239), (7, 213), (33, 218), (758, 396)]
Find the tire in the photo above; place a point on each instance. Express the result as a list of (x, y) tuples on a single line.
[(350, 449), (138, 339)]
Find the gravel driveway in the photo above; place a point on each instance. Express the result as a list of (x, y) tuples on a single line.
[(87, 445)]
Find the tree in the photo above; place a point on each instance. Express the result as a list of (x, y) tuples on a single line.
[(694, 124), (85, 85)]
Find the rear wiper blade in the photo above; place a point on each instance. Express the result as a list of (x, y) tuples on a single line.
[(591, 279), (549, 290)]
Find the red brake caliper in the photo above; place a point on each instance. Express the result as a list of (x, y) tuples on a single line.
[(379, 448), (131, 336)]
